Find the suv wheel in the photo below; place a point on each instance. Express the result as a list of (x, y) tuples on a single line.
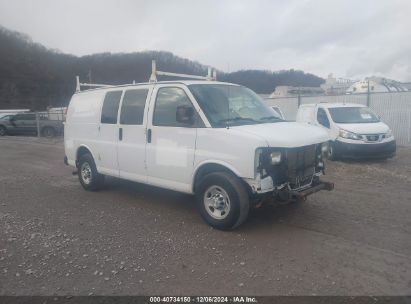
[(222, 200), (49, 132), (3, 131), (89, 178)]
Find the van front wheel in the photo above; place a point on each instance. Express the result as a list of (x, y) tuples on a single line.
[(88, 176), (222, 200)]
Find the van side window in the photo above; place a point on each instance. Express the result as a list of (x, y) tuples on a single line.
[(132, 109), (322, 118), (110, 107), (168, 102)]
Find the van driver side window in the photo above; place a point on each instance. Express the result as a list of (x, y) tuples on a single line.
[(322, 118), (168, 102), (110, 107)]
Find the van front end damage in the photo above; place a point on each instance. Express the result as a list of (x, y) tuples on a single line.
[(289, 173)]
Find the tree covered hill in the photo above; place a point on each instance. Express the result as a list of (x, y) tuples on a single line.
[(33, 76)]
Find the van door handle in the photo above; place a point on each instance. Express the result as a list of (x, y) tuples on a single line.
[(120, 133), (149, 135)]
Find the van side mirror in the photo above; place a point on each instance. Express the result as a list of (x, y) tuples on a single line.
[(185, 115)]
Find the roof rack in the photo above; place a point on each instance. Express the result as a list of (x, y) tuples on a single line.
[(211, 75), (92, 85)]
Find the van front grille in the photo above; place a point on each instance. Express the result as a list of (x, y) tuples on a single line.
[(301, 163)]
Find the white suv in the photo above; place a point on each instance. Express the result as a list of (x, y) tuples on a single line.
[(354, 130), (216, 140)]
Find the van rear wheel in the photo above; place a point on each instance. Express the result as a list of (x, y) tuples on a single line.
[(222, 200), (88, 176)]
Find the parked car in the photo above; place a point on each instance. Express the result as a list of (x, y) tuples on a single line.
[(355, 131), (218, 141), (278, 111), (25, 123)]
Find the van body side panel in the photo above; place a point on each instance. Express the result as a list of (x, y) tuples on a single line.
[(82, 124), (230, 147)]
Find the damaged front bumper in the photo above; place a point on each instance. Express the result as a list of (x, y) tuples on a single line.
[(295, 176), (265, 188)]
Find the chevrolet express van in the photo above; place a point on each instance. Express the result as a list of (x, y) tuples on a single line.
[(355, 131), (216, 140)]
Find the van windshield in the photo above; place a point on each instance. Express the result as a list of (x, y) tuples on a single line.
[(226, 105), (353, 115)]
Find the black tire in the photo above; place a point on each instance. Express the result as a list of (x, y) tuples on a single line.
[(48, 132), (95, 180), (238, 198), (332, 152), (3, 131)]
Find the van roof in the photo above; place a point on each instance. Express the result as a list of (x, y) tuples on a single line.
[(185, 82), (335, 105)]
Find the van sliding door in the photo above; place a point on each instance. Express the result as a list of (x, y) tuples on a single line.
[(108, 134), (132, 137)]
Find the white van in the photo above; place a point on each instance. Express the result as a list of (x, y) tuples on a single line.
[(216, 140), (355, 131)]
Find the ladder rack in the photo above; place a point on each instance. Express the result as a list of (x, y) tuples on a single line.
[(91, 85), (211, 76)]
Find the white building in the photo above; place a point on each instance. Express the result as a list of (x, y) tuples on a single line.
[(376, 85), (336, 86), (290, 91)]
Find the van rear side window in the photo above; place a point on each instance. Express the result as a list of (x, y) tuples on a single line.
[(132, 109), (110, 107)]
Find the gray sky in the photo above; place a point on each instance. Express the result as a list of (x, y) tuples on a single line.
[(348, 38)]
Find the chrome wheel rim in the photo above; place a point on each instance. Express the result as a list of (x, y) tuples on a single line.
[(217, 202), (86, 174)]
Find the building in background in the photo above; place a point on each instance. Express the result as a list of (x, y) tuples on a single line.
[(336, 86), (375, 84), (290, 91)]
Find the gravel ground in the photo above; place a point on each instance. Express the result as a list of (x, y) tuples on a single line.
[(131, 239)]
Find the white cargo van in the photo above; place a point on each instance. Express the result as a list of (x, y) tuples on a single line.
[(354, 130), (216, 140)]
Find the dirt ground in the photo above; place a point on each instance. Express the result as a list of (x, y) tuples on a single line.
[(131, 239)]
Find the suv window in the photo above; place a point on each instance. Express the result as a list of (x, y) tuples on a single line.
[(132, 109), (168, 101), (25, 117), (110, 107), (322, 118)]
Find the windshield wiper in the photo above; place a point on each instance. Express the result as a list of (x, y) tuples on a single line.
[(271, 118), (234, 119)]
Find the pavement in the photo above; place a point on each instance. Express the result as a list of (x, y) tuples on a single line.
[(132, 239)]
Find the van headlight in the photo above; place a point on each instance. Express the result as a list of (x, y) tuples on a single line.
[(275, 158), (349, 135)]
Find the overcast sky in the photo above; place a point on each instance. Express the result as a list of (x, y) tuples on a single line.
[(348, 38)]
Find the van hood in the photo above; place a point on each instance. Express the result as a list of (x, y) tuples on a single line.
[(286, 134), (365, 128)]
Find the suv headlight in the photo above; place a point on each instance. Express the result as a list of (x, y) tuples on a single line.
[(388, 134), (349, 135)]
